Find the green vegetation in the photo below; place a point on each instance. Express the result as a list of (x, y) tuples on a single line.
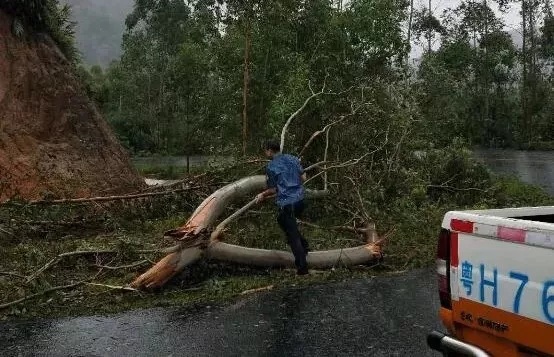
[(130, 227), (233, 71), (46, 16), (216, 77)]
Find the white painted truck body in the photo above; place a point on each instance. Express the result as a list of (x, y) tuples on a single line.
[(500, 274)]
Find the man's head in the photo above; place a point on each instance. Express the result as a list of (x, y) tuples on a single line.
[(271, 147)]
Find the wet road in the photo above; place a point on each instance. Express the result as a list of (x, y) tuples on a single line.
[(383, 316)]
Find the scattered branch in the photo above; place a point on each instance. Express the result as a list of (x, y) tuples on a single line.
[(446, 187), (185, 181), (364, 231), (133, 265), (327, 127), (114, 287), (315, 176), (348, 209), (350, 162), (7, 232), (387, 235), (32, 296), (257, 290), (60, 223), (112, 198), (15, 275), (148, 251), (59, 257)]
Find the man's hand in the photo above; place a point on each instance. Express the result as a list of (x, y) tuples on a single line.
[(270, 192), (260, 197)]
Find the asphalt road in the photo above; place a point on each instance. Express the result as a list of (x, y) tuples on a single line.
[(383, 316)]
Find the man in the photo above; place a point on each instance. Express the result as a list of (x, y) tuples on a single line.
[(285, 179)]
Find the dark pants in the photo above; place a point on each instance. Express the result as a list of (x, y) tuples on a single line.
[(299, 246)]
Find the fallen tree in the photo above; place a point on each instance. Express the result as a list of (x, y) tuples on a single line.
[(196, 239)]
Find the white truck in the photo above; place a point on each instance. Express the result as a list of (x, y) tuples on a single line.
[(496, 283)]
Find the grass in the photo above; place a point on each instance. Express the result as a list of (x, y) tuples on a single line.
[(206, 282)]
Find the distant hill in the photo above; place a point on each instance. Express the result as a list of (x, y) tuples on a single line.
[(100, 26)]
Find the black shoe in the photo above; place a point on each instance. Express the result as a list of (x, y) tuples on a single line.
[(302, 272)]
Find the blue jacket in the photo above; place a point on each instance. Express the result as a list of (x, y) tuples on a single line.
[(284, 173)]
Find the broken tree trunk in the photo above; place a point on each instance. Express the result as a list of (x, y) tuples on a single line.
[(274, 258), (203, 217), (195, 240)]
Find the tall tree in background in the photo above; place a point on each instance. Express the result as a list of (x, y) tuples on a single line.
[(234, 71), (243, 14), (426, 25), (534, 89), (465, 81)]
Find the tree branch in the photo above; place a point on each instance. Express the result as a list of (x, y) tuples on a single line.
[(350, 162), (7, 232), (319, 132), (325, 159), (15, 275), (32, 296), (317, 164), (456, 188), (299, 110), (327, 127), (114, 287), (257, 290), (132, 265), (59, 257), (350, 229), (111, 198), (221, 226), (360, 199)]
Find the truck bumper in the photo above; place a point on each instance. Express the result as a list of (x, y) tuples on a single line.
[(443, 343)]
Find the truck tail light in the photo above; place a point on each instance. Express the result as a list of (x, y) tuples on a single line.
[(443, 271)]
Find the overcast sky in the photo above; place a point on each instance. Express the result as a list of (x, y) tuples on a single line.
[(512, 18)]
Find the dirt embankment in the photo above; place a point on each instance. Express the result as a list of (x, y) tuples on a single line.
[(53, 140)]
